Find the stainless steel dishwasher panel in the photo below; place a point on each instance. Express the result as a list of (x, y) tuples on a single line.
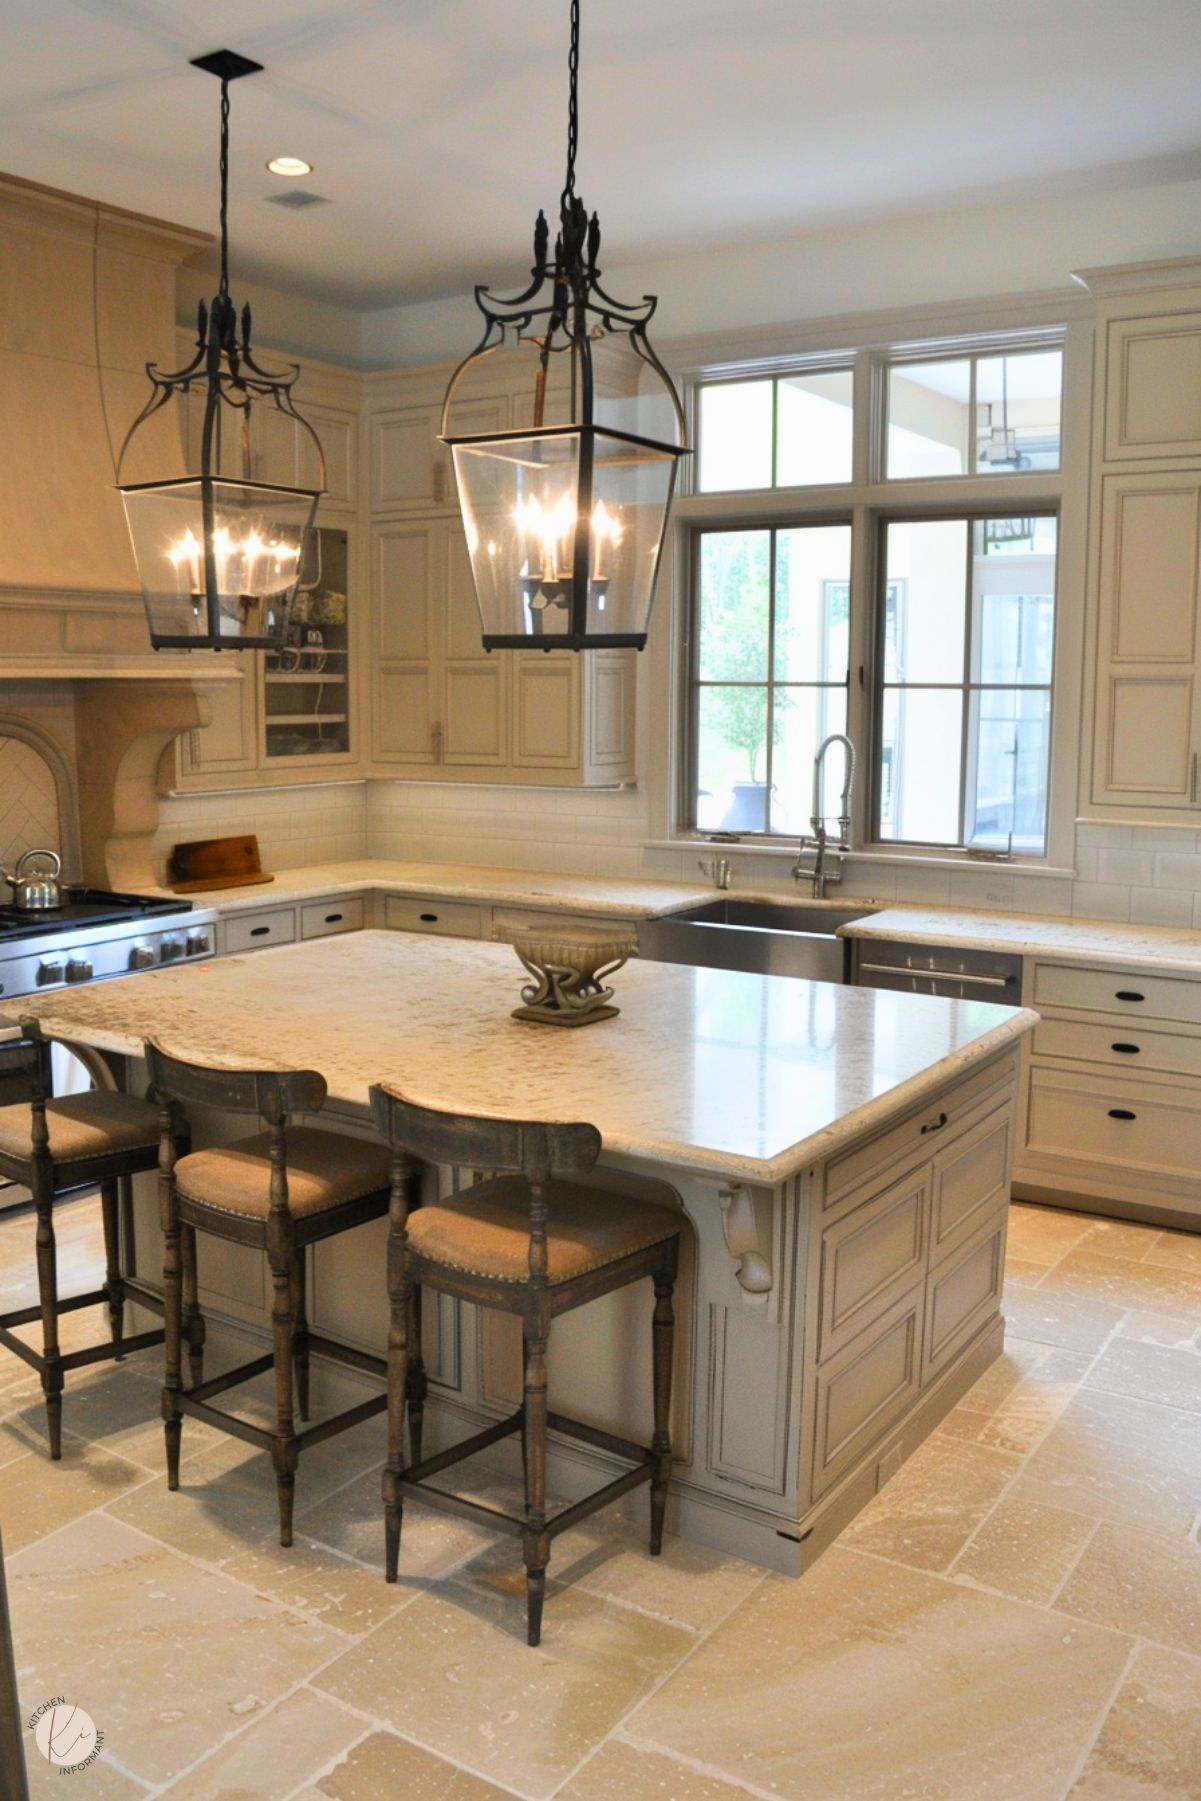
[(955, 973)]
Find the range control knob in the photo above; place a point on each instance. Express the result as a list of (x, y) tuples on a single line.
[(169, 949), (197, 944), (142, 956), (79, 969), (49, 973)]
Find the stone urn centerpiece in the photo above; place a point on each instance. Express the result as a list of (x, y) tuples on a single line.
[(570, 965)]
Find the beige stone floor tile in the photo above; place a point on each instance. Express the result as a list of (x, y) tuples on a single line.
[(1150, 1744), (276, 1751), (37, 1497), (621, 1772), (1176, 1250), (1141, 1582), (1149, 1372), (1043, 1235), (454, 1672), (168, 1658), (1121, 1460), (1160, 1328), (930, 1509), (101, 1781), (1028, 1410), (117, 1408), (1020, 1272), (868, 1680), (352, 1522), (1122, 1282), (1135, 1428), (384, 1765), (1074, 1322), (226, 1499), (1119, 1238), (1024, 1550), (686, 1584)]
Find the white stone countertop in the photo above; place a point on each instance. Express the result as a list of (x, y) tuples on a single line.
[(619, 896), (1172, 948), (721, 1073)]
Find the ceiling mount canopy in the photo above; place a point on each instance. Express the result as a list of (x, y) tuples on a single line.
[(219, 554), (565, 510)]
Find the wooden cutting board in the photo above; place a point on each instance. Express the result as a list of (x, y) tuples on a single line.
[(215, 863)]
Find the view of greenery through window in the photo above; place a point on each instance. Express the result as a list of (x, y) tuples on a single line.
[(956, 730)]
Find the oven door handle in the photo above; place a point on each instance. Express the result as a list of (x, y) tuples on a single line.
[(936, 975)]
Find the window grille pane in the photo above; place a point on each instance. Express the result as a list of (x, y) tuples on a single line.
[(1009, 735), (920, 739), (925, 617), (731, 764), (734, 605), (813, 428), (1013, 602), (803, 717), (813, 603), (929, 418), (1018, 411), (735, 436)]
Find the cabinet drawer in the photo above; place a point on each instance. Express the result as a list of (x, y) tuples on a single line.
[(865, 1388), (320, 919), (450, 919), (254, 931), (962, 1293), (1128, 1125), (1125, 993), (941, 1118), (971, 1181), (869, 1256), (1127, 1047)]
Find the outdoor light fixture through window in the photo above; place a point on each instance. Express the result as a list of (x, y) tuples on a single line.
[(565, 515), (218, 553)]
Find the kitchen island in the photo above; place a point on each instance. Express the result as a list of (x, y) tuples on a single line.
[(842, 1156)]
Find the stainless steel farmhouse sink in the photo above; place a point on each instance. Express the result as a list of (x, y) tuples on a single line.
[(775, 938)]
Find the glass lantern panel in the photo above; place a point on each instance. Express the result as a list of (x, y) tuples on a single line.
[(250, 560), (518, 497), (631, 492)]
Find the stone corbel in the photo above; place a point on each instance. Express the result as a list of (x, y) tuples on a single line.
[(122, 729), (740, 1228)]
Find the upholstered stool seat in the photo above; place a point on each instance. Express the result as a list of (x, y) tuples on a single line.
[(486, 1230), (84, 1125), (325, 1169), (53, 1146)]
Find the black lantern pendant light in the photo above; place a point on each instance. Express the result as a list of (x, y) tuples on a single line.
[(565, 515), (219, 555)]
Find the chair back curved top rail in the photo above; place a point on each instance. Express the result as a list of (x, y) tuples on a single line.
[(536, 1149), (270, 1093)]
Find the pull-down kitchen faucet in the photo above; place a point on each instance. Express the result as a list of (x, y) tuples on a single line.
[(820, 841)]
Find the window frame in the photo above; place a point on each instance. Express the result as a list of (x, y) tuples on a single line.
[(867, 498)]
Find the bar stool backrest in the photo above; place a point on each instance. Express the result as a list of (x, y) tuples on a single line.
[(535, 1149), (272, 1094), (24, 1070)]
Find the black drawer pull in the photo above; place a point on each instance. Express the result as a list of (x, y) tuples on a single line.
[(935, 1125), (259, 931), (1121, 1113), (1128, 994), (333, 919), (430, 919), (1127, 1050)]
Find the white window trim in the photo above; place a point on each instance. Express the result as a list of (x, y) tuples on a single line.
[(1001, 324)]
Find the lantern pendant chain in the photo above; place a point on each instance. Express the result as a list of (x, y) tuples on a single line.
[(573, 107), (223, 286)]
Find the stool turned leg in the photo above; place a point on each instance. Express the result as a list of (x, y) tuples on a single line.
[(47, 1260), (114, 1286), (400, 1323), (662, 1332), (415, 1382), (535, 1543), (192, 1318), (283, 1449), (172, 1335), (300, 1335)]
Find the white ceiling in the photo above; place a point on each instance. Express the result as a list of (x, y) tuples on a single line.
[(437, 127)]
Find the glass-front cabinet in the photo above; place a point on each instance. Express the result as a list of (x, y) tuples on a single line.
[(308, 689)]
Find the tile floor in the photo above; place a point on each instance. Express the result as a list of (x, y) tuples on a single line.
[(1017, 1615)]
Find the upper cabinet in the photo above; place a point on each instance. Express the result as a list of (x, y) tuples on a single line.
[(410, 466), (1145, 560)]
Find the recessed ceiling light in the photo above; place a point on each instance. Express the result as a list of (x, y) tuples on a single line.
[(289, 165)]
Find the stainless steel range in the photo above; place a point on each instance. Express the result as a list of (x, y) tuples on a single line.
[(94, 935)]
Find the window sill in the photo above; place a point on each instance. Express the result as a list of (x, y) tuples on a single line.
[(894, 859)]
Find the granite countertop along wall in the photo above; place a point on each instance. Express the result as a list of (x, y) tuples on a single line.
[(725, 1074), (1174, 949)]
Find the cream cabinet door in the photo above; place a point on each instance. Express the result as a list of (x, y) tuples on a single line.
[(1153, 387), (410, 467), (546, 709), (474, 681), (337, 431), (1148, 732), (230, 742), (407, 575)]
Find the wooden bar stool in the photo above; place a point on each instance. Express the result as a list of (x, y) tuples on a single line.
[(281, 1190), (51, 1147), (528, 1241)]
